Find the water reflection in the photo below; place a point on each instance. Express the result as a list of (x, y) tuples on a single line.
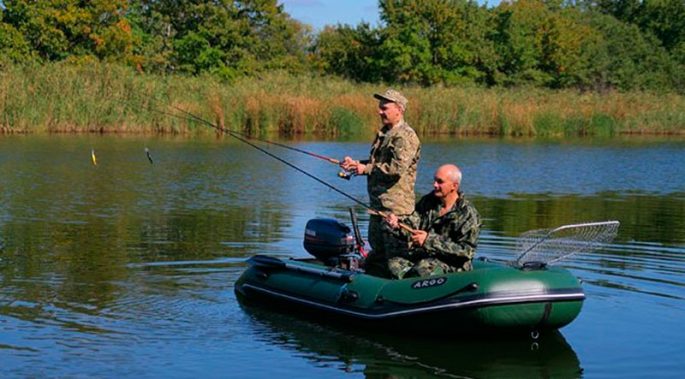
[(93, 257), (399, 356), (643, 217)]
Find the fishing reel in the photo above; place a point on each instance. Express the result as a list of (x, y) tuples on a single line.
[(348, 170), (346, 175)]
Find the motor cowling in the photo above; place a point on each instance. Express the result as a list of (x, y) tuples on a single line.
[(327, 239)]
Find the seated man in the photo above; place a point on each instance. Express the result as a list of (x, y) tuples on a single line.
[(445, 230)]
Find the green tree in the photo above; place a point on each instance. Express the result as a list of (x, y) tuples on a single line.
[(627, 59), (663, 18), (13, 46), (540, 42), (348, 52), (58, 29), (153, 37), (624, 10), (666, 19), (434, 41), (227, 37)]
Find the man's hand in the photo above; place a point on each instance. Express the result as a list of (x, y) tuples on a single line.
[(350, 165), (347, 163), (392, 220), (361, 168), (418, 237)]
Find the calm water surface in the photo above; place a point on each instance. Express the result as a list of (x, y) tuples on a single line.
[(126, 269)]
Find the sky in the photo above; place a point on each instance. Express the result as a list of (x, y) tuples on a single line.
[(319, 13)]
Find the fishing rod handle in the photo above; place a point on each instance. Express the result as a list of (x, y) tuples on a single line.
[(385, 215)]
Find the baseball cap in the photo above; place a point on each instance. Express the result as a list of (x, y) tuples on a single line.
[(393, 96)]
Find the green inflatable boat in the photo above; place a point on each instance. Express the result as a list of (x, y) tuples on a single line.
[(525, 295)]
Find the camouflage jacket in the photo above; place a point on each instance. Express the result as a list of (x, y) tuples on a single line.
[(391, 169), (453, 237)]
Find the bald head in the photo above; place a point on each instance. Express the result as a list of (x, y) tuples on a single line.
[(446, 182), (451, 172)]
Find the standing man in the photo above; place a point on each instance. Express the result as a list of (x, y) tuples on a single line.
[(391, 175), (446, 228)]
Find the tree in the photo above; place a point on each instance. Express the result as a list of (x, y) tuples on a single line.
[(663, 18), (434, 41), (666, 19), (348, 52), (57, 29), (625, 58), (540, 42), (227, 37), (13, 46)]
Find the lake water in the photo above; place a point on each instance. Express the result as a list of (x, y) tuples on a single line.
[(126, 269)]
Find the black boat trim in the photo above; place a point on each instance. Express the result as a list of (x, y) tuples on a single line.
[(558, 296)]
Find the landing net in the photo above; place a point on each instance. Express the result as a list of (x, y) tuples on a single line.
[(552, 245)]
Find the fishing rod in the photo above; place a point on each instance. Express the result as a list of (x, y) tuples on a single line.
[(243, 138), (342, 174), (228, 131), (386, 215), (239, 137)]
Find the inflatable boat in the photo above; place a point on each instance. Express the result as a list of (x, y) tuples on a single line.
[(491, 297), (495, 297)]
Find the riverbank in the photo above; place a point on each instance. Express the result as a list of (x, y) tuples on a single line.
[(59, 98)]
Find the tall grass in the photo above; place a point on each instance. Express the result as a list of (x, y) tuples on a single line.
[(108, 98)]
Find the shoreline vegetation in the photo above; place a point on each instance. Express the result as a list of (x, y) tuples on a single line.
[(521, 68), (110, 98)]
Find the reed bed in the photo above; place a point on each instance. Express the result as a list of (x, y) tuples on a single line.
[(58, 98)]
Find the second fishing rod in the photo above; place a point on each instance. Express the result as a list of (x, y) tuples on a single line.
[(245, 138), (188, 116)]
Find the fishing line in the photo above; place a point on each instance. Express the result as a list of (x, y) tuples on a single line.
[(231, 132), (243, 138), (217, 127), (341, 174)]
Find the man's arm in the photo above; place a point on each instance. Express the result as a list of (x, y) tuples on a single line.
[(404, 149), (460, 240)]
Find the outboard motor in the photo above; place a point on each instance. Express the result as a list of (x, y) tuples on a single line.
[(328, 240)]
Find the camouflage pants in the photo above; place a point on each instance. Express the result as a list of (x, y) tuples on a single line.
[(400, 268), (376, 236), (384, 246), (404, 268)]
